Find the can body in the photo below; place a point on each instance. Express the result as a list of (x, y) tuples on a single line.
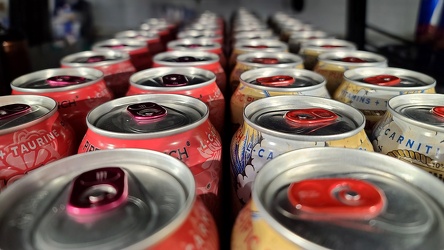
[(33, 134)]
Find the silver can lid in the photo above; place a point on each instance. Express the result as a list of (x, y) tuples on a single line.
[(245, 35), (119, 44), (193, 44), (266, 45), (137, 34), (307, 34), (95, 58), (196, 34), (270, 59), (107, 199), (185, 58), (324, 45), (354, 58), (337, 198)]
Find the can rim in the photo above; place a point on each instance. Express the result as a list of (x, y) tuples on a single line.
[(295, 59), (188, 34), (314, 45), (158, 58), (279, 46), (147, 37), (306, 34), (206, 41), (119, 56), (327, 57), (136, 43)]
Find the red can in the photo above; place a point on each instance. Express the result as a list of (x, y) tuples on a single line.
[(110, 199), (198, 59), (162, 23), (190, 81), (115, 65), (151, 38), (32, 134), (76, 91), (140, 57), (162, 31), (177, 125)]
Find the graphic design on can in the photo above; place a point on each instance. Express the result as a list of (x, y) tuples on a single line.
[(412, 130), (190, 81), (296, 39), (369, 89), (76, 91), (255, 60), (265, 82), (140, 57), (32, 134), (275, 125), (332, 65), (176, 125), (311, 49), (151, 38), (110, 199), (115, 65), (336, 198)]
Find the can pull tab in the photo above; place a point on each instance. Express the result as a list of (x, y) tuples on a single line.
[(186, 59), (94, 59), (146, 112), (383, 80), (331, 46), (265, 60), (65, 80), (337, 197), (352, 59), (257, 46), (192, 46), (313, 116), (439, 111), (174, 80), (276, 81), (11, 110), (98, 191), (116, 46)]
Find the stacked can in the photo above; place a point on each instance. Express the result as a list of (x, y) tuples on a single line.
[(332, 65), (198, 83), (369, 89), (255, 60), (335, 198), (165, 30), (151, 38), (32, 134), (115, 65), (275, 125), (111, 199), (177, 125), (76, 91), (292, 28), (296, 39)]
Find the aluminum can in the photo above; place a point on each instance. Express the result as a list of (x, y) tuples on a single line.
[(279, 124), (198, 59), (161, 30), (176, 125), (32, 134), (332, 65), (251, 35), (190, 81), (369, 89), (412, 130), (204, 27), (428, 20), (152, 39), (206, 34), (265, 82), (255, 60), (162, 23), (336, 198), (115, 65), (201, 44), (311, 49), (289, 30), (76, 91), (140, 57), (110, 199), (296, 39)]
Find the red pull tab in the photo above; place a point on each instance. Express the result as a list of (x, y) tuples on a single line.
[(337, 197), (146, 112), (11, 110), (257, 46), (352, 59), (311, 116), (186, 59), (98, 191), (94, 59), (174, 80), (331, 46), (193, 45), (439, 111), (383, 80), (276, 81), (116, 46), (65, 80), (265, 60)]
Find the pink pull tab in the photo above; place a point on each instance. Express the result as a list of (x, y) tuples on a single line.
[(276, 81), (257, 46), (98, 191), (336, 197), (313, 116), (186, 59), (352, 59), (94, 59), (12, 110), (266, 60), (193, 46), (331, 46), (116, 46), (383, 80), (57, 81), (439, 111), (174, 80), (146, 112)]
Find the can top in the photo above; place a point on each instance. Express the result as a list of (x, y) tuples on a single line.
[(337, 198), (120, 44), (304, 118), (388, 78), (323, 45), (196, 34), (74, 203), (203, 44), (353, 58), (266, 45), (282, 79), (249, 27), (261, 34), (147, 116), (296, 28), (172, 79), (21, 111), (57, 80), (185, 58), (137, 34), (307, 34), (95, 58), (270, 59)]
